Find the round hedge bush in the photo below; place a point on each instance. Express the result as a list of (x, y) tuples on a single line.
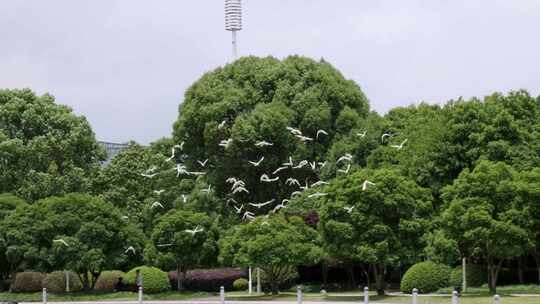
[(476, 276), (240, 284), (56, 281), (28, 281), (154, 279), (426, 277), (108, 279)]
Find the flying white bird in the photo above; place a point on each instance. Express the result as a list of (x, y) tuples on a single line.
[(62, 242), (290, 163), (304, 138), (256, 163), (346, 157), (349, 209), (207, 190), (125, 217), (248, 215), (263, 143), (301, 164), (231, 180), (180, 146), (172, 155), (196, 173), (319, 183), (231, 200), (222, 124), (158, 192), (278, 170), (317, 194), (151, 169), (321, 132), (149, 175), (322, 164), (367, 183), (292, 181), (157, 204), (237, 184), (295, 193), (386, 135), (164, 245), (193, 231), (225, 143), (240, 189), (400, 146), (362, 134), (203, 163), (285, 201), (345, 171), (238, 209), (184, 198), (294, 131), (181, 169), (130, 248), (260, 205), (265, 178), (277, 207)]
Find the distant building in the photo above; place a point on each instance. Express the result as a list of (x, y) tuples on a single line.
[(112, 149)]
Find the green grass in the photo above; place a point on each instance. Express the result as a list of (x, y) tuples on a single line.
[(501, 290), (100, 296)]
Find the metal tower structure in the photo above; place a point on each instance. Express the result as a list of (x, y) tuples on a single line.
[(233, 21)]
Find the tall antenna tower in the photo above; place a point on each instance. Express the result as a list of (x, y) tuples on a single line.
[(233, 21)]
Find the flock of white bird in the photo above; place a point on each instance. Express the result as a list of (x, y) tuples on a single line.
[(238, 186)]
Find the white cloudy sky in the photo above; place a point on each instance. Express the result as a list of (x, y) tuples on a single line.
[(126, 64)]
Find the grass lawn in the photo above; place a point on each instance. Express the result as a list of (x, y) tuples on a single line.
[(100, 296), (476, 296)]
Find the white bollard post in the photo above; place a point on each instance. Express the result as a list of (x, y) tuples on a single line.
[(222, 295), (67, 280), (299, 295), (140, 295), (415, 296), (455, 298), (44, 296), (496, 299), (366, 295), (250, 283)]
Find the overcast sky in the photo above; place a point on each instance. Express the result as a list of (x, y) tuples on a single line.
[(126, 64)]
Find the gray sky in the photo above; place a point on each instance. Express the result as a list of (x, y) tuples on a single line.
[(126, 64)]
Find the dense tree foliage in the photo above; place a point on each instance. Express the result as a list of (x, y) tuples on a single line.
[(275, 245), (75, 231), (44, 148)]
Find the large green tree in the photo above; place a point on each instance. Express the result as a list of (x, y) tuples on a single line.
[(76, 231), (256, 99), (484, 218), (8, 204), (276, 245), (45, 149), (380, 224), (186, 240)]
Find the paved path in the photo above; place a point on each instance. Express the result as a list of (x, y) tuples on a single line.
[(201, 302)]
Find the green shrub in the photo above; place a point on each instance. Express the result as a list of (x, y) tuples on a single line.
[(154, 280), (56, 281), (240, 284), (476, 276), (108, 279), (426, 277), (27, 281)]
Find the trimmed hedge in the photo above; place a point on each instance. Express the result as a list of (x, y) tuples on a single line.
[(240, 284), (107, 280), (476, 276), (209, 279), (28, 281), (426, 277), (154, 279), (56, 281)]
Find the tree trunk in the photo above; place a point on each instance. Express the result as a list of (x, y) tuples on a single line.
[(493, 274), (536, 256), (366, 274), (179, 278), (324, 270), (379, 271), (350, 272), (520, 270)]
